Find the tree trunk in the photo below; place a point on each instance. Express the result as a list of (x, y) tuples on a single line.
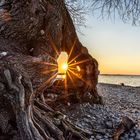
[(32, 35)]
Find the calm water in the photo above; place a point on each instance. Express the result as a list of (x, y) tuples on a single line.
[(118, 79)]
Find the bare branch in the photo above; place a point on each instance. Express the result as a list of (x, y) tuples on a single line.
[(78, 11), (127, 10)]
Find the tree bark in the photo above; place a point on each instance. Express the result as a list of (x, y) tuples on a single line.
[(32, 35)]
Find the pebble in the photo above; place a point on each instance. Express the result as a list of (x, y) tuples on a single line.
[(3, 54), (138, 136), (106, 118), (132, 134), (109, 124), (131, 138), (98, 137)]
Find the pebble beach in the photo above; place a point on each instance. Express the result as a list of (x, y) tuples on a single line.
[(102, 120)]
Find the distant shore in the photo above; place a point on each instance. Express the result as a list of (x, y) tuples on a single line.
[(120, 74), (118, 85), (126, 80)]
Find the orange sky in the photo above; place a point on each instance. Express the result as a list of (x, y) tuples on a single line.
[(108, 64), (115, 45)]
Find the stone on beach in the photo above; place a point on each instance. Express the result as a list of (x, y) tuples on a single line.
[(102, 120)]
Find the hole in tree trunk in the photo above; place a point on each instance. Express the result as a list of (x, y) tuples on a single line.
[(62, 65)]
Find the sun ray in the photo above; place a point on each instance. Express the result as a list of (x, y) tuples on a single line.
[(68, 73), (80, 62), (66, 85), (47, 83), (73, 68), (49, 71), (77, 75), (74, 58), (47, 63), (72, 48), (51, 56), (52, 44)]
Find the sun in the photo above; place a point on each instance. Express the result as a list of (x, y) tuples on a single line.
[(65, 66)]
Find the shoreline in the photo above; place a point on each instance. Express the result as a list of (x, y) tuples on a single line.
[(119, 74), (118, 85)]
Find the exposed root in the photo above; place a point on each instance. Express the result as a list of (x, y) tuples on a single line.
[(35, 119)]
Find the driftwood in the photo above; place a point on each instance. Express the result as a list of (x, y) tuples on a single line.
[(126, 125), (32, 35)]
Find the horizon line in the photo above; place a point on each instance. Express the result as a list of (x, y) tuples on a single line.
[(120, 74)]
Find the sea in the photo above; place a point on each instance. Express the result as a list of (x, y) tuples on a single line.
[(128, 80)]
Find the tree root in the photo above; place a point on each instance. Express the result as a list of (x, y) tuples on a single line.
[(36, 120)]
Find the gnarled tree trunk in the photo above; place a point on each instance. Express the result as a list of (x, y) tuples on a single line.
[(32, 35)]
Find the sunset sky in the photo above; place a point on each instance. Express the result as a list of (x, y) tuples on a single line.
[(114, 44)]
